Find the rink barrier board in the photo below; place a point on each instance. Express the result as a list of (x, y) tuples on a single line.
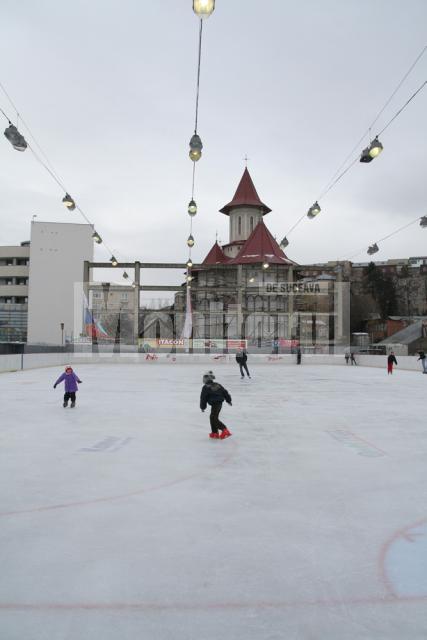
[(17, 362)]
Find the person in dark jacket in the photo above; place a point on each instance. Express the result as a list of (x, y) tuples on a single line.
[(214, 394), (423, 360), (352, 358), (70, 382), (391, 360), (241, 359)]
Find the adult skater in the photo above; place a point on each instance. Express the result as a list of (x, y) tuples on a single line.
[(391, 360), (298, 356), (347, 357), (70, 380), (352, 358), (423, 360), (214, 394), (241, 359)]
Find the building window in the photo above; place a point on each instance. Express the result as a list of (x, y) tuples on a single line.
[(252, 223), (239, 221), (124, 296)]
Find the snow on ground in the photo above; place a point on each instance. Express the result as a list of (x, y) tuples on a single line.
[(120, 519)]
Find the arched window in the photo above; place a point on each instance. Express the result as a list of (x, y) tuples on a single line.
[(251, 223), (239, 221)]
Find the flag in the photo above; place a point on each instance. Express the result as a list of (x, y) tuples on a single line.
[(93, 327)]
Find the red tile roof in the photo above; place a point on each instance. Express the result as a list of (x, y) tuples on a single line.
[(215, 256), (260, 247), (245, 196)]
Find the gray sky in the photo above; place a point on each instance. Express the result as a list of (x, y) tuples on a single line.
[(108, 88)]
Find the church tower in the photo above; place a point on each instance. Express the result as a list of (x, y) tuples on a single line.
[(245, 212)]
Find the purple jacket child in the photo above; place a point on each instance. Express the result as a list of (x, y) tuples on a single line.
[(71, 379)]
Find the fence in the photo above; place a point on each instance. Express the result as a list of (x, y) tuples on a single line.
[(17, 362)]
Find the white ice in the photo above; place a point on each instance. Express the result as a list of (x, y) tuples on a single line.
[(121, 520)]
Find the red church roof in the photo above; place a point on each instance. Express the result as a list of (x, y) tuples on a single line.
[(216, 256), (245, 196), (260, 247)]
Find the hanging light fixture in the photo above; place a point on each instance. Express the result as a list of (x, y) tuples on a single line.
[(196, 147), (423, 221), (373, 248), (125, 275), (284, 243), (15, 138), (251, 277), (265, 264), (189, 278), (192, 208), (314, 210), (113, 261), (190, 241), (96, 237), (203, 8), (69, 202), (189, 263), (372, 151)]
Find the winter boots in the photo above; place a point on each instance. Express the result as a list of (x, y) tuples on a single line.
[(73, 404), (65, 403)]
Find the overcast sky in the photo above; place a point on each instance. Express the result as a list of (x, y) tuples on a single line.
[(108, 89)]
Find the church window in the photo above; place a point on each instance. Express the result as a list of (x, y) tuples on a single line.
[(239, 225), (252, 223)]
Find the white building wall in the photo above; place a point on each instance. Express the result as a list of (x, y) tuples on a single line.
[(245, 214), (57, 254)]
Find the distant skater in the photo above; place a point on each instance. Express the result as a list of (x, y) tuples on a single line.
[(298, 356), (214, 394), (71, 387), (352, 358), (241, 359), (347, 357), (423, 360), (391, 360)]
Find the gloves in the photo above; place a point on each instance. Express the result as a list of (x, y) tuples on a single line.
[(80, 381), (203, 410), (54, 386), (230, 403)]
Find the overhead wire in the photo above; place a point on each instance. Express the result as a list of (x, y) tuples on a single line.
[(47, 165), (339, 174), (390, 235)]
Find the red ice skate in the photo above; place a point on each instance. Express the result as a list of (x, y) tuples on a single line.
[(214, 435), (225, 434)]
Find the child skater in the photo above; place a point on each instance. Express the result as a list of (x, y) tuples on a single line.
[(71, 379), (214, 394)]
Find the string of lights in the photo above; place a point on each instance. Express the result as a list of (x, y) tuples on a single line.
[(368, 154), (19, 143), (374, 248), (203, 9)]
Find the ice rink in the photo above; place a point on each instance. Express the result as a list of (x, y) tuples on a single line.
[(121, 520)]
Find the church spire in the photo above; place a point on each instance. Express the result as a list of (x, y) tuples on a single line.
[(245, 196)]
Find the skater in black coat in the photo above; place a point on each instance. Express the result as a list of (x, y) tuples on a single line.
[(241, 359), (391, 360), (423, 360), (214, 394)]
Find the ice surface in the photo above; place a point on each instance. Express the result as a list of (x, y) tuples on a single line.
[(121, 519)]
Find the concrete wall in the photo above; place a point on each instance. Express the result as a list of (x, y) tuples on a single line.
[(56, 264)]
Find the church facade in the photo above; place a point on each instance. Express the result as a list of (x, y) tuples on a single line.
[(250, 289)]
